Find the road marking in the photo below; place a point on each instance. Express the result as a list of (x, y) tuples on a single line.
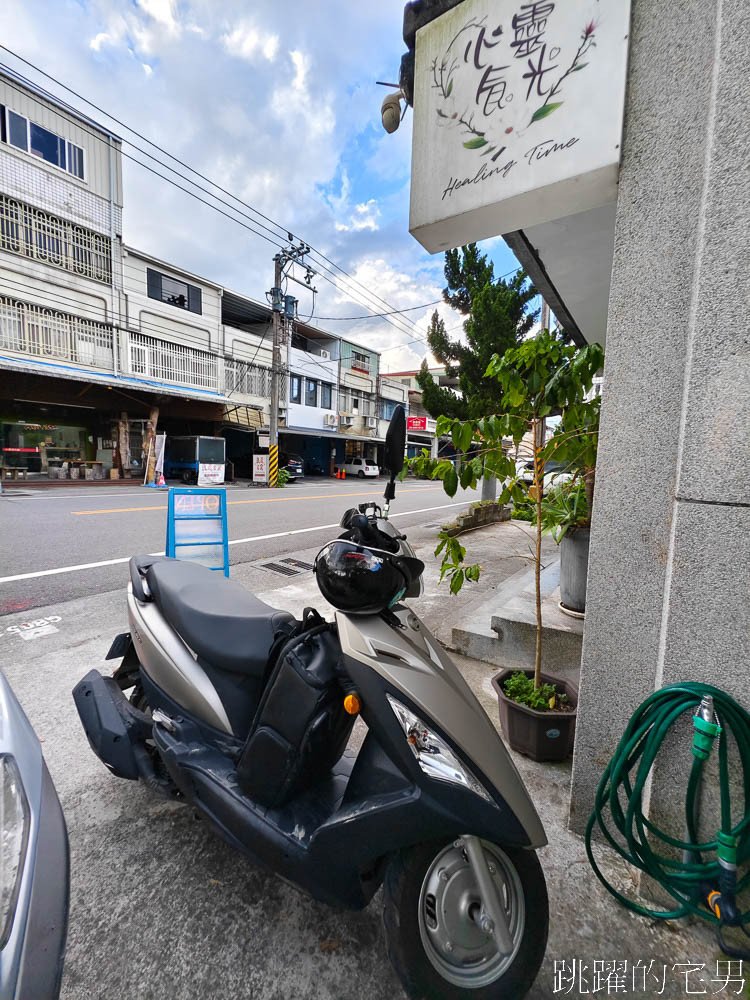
[(365, 493), (234, 541)]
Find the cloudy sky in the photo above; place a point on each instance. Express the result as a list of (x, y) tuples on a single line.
[(276, 102)]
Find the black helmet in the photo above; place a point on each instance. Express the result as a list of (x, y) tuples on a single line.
[(363, 580)]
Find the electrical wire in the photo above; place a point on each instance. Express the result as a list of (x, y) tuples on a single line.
[(371, 295)]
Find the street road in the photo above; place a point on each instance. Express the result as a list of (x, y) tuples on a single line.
[(63, 544)]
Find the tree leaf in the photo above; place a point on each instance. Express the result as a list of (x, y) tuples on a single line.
[(477, 143), (457, 581), (449, 88), (488, 150), (450, 482), (467, 434), (546, 109), (579, 66)]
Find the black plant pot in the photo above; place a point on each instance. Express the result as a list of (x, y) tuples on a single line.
[(543, 736), (574, 567)]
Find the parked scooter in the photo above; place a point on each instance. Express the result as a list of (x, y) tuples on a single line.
[(245, 713)]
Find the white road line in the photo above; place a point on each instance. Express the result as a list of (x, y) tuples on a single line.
[(233, 541)]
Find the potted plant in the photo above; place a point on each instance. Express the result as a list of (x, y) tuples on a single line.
[(540, 377), (566, 516), (567, 509)]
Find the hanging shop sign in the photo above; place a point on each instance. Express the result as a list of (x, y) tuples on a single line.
[(518, 111), (416, 423)]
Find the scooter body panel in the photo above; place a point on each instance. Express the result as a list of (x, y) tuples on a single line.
[(415, 666), (171, 664)]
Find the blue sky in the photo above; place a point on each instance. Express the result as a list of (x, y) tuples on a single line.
[(278, 103)]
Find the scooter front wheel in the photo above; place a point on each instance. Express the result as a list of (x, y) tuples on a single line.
[(437, 929)]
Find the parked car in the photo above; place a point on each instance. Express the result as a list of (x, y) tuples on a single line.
[(34, 862), (360, 467), (555, 473), (292, 465)]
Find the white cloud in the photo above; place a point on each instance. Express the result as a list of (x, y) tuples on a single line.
[(246, 41), (276, 106), (161, 11)]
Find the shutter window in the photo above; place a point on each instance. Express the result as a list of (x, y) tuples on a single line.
[(194, 299), (153, 279)]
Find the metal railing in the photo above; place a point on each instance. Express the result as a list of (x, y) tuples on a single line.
[(47, 333), (243, 378), (32, 232), (157, 359)]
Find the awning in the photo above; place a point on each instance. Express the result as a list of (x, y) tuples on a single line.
[(245, 418), (316, 432)]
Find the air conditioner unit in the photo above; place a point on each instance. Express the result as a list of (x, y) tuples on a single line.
[(331, 419), (347, 421), (372, 422), (325, 355)]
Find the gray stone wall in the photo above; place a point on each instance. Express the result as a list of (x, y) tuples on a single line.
[(669, 572)]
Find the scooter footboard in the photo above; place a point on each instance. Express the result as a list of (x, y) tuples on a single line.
[(115, 729)]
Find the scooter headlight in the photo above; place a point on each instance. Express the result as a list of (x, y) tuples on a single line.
[(14, 833), (433, 754)]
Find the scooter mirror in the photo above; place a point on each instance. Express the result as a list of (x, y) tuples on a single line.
[(395, 447)]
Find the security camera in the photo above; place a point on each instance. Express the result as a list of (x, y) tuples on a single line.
[(390, 111)]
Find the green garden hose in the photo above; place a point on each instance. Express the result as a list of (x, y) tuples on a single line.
[(705, 888)]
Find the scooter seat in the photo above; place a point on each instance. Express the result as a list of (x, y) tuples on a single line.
[(221, 622)]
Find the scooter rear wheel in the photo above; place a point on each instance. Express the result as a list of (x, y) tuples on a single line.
[(431, 917)]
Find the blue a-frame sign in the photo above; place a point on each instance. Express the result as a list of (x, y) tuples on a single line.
[(197, 527)]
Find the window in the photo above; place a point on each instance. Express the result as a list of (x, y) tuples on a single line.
[(173, 291), (387, 406), (325, 395), (48, 146), (355, 403), (295, 389), (311, 392)]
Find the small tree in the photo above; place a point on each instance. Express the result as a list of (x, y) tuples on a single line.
[(498, 318), (540, 377)]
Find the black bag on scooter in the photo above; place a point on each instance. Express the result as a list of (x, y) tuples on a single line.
[(300, 728)]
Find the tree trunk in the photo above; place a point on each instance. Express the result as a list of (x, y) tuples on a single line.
[(589, 477), (538, 485), (149, 445)]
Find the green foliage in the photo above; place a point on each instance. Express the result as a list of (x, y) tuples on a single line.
[(282, 480), (453, 557), (564, 507), (497, 320), (524, 510), (519, 687)]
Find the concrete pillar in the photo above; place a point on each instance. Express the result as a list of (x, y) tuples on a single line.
[(489, 489), (669, 568), (434, 444)]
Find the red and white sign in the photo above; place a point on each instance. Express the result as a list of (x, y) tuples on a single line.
[(210, 474), (416, 423), (260, 468)]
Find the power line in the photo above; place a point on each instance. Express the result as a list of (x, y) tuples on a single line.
[(371, 295), (395, 312)]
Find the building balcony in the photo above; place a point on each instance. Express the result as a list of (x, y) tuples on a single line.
[(39, 235), (40, 333)]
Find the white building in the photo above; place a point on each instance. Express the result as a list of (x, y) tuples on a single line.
[(97, 337)]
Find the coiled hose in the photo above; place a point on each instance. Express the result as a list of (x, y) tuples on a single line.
[(706, 888)]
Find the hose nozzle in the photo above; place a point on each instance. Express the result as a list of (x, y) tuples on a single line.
[(706, 728)]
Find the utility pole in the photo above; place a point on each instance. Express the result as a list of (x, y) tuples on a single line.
[(276, 373), (283, 307)]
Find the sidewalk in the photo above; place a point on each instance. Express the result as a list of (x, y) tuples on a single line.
[(160, 906)]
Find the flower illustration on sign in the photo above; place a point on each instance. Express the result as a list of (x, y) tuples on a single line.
[(474, 76)]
